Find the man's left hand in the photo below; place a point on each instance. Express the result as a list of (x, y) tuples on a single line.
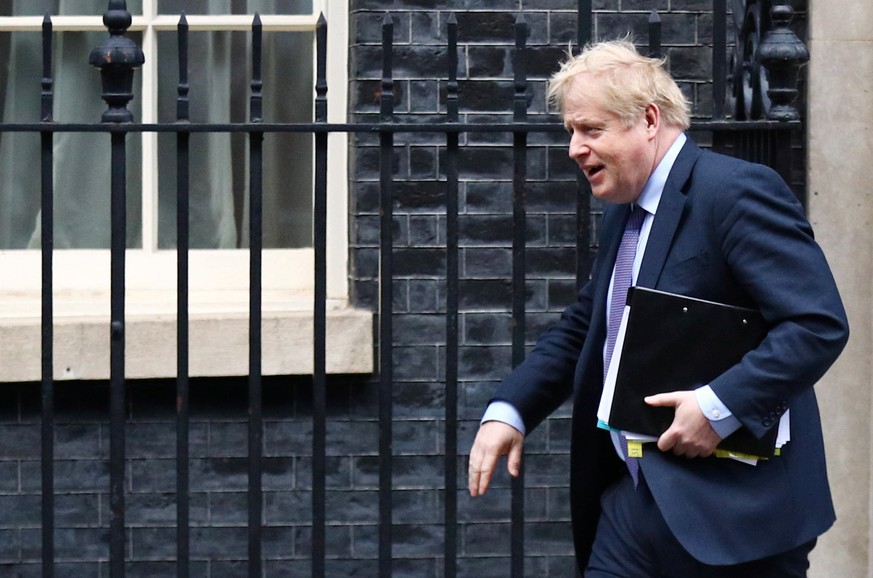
[(690, 434)]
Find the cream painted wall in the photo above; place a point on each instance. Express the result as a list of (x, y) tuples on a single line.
[(840, 179)]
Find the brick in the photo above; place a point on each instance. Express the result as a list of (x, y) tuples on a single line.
[(284, 437), (485, 95), (425, 296), (487, 328), (149, 440), (423, 163), (367, 27), (76, 510), (418, 437), (543, 61), (19, 441), (81, 544), (419, 196), (337, 472), (81, 475), (486, 27), (484, 362), (353, 568), (560, 165), (485, 294), (646, 5), (485, 230), (536, 292), (416, 363), (415, 506), (428, 27), (410, 472), (227, 568), (417, 566), (682, 28), (551, 261), (562, 231), (536, 324), (487, 539), (367, 159), (418, 400), (338, 541), (690, 63), (549, 537), (695, 5), (139, 569), (230, 543), (417, 540), (19, 510), (563, 27), (546, 470), (416, 262), (489, 61), (487, 197), (561, 293), (419, 329), (152, 544), (281, 508), (425, 231), (346, 438), (353, 506), (610, 25), (365, 262), (228, 508)]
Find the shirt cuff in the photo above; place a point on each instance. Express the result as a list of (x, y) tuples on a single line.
[(720, 417), (504, 412)]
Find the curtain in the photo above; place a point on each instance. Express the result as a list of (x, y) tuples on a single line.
[(81, 179), (219, 77)]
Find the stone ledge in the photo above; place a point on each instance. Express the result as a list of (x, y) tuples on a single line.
[(218, 341)]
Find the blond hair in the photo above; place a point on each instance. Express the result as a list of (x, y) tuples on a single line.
[(631, 82)]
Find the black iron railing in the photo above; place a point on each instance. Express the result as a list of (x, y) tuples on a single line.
[(757, 139)]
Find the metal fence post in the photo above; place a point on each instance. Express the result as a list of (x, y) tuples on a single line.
[(117, 57)]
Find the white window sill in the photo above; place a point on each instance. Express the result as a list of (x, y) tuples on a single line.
[(218, 336)]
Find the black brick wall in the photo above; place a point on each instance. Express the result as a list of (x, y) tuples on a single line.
[(219, 420)]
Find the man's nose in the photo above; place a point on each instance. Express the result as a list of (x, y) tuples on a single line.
[(578, 146)]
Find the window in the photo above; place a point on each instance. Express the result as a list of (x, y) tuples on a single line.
[(219, 77)]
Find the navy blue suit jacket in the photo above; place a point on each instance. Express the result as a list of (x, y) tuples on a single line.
[(733, 232)]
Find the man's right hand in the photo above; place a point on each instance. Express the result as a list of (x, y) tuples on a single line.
[(493, 440)]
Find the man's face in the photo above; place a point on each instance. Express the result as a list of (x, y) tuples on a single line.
[(617, 159)]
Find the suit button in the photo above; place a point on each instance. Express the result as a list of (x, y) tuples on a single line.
[(767, 422)]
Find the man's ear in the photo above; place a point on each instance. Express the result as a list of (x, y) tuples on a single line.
[(653, 119)]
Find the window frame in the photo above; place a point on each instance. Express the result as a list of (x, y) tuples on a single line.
[(219, 278)]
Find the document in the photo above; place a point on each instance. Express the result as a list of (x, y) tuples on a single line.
[(669, 342)]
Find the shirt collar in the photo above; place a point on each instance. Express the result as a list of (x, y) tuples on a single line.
[(650, 198)]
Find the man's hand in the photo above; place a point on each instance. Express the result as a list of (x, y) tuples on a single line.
[(690, 435), (493, 440)]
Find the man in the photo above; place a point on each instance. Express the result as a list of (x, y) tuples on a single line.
[(713, 228)]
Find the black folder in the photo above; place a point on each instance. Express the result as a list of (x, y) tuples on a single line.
[(675, 343)]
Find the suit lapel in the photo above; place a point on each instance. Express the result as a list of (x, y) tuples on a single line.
[(669, 215)]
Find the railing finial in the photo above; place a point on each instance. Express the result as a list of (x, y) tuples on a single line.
[(782, 54), (117, 57)]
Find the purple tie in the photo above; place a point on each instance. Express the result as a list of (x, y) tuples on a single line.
[(624, 264)]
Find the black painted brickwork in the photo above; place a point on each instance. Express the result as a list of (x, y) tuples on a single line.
[(219, 430)]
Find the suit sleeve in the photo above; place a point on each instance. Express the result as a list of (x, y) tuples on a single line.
[(770, 250), (544, 380)]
